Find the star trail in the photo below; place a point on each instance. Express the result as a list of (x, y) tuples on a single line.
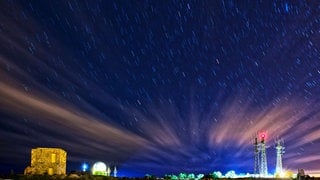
[(160, 87)]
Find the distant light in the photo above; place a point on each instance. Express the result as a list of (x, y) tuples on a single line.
[(263, 135), (84, 167)]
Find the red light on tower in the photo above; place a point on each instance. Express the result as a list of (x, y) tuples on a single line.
[(263, 136)]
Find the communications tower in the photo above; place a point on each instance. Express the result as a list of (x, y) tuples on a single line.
[(263, 161), (280, 151), (256, 156)]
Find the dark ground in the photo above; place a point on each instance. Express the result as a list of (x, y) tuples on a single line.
[(88, 176)]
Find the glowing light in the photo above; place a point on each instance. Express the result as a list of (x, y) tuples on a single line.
[(84, 167), (263, 136), (285, 174)]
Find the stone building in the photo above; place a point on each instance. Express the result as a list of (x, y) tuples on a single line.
[(47, 161)]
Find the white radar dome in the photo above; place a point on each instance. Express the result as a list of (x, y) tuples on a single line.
[(99, 166)]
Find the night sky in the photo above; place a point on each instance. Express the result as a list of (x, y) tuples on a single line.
[(160, 86)]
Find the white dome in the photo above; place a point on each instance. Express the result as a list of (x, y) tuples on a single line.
[(99, 166)]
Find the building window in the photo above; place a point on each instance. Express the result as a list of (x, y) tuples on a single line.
[(53, 157)]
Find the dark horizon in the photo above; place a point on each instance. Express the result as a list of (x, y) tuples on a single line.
[(160, 87)]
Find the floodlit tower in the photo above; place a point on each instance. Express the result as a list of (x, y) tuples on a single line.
[(115, 171), (108, 171), (280, 151), (263, 165), (256, 156)]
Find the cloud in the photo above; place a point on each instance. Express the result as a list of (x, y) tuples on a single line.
[(65, 120)]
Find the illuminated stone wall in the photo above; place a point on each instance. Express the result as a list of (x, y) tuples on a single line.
[(47, 161)]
